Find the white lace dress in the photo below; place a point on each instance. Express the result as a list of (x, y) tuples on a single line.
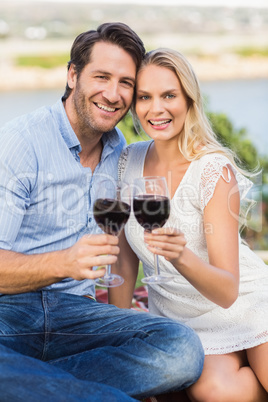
[(245, 323)]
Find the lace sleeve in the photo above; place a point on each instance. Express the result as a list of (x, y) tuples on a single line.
[(212, 171)]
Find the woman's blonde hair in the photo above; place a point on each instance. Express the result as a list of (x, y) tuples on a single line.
[(197, 137)]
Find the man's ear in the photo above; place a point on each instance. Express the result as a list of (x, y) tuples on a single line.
[(71, 76)]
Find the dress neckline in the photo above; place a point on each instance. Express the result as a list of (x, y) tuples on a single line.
[(183, 178)]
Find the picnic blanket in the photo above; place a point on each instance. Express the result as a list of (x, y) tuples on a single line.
[(139, 300)]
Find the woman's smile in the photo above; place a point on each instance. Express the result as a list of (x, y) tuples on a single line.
[(160, 124), (161, 108)]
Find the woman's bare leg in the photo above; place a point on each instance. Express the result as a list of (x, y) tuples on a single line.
[(258, 361), (228, 378)]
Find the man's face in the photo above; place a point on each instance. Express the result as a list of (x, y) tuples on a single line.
[(103, 93)]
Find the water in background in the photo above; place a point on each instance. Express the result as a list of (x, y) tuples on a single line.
[(16, 103), (245, 102)]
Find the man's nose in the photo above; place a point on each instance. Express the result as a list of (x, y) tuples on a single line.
[(111, 93)]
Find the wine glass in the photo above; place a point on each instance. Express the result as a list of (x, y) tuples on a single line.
[(151, 206), (111, 211)]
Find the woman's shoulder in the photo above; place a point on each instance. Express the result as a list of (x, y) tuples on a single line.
[(132, 157), (136, 147), (214, 159), (210, 167), (134, 150)]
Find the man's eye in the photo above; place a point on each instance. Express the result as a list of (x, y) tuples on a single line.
[(128, 84)]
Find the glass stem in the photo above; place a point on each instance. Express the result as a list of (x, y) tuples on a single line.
[(107, 271), (156, 265)]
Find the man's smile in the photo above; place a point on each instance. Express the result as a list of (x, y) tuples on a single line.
[(105, 108)]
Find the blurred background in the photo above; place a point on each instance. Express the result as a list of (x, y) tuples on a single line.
[(226, 43)]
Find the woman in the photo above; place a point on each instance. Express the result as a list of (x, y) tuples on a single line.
[(221, 286)]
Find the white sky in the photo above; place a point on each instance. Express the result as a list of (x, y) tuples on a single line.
[(227, 3)]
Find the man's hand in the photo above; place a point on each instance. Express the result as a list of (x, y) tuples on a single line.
[(90, 251)]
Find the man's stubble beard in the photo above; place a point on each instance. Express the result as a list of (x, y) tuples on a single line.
[(86, 121)]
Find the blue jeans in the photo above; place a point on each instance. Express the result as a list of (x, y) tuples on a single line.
[(134, 352), (23, 378)]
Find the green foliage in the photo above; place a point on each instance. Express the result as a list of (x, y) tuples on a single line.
[(264, 165), (250, 51), (234, 139), (127, 127), (140, 276), (43, 61)]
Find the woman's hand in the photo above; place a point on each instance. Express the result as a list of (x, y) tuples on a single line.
[(168, 242)]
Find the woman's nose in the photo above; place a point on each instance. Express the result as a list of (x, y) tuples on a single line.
[(156, 105)]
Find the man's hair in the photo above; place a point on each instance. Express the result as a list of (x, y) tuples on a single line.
[(115, 33)]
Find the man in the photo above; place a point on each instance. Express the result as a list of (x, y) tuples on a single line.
[(50, 163)]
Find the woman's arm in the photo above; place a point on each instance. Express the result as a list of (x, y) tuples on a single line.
[(217, 280), (127, 266)]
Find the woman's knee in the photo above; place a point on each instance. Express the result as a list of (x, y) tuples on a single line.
[(210, 389)]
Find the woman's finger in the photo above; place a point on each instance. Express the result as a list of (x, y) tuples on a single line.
[(167, 231)]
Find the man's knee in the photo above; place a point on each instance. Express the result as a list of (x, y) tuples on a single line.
[(184, 354)]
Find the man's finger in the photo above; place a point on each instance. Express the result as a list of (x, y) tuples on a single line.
[(99, 239)]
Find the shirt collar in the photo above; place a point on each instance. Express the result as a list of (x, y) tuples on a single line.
[(110, 139)]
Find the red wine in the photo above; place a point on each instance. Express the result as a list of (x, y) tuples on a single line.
[(151, 211), (111, 215)]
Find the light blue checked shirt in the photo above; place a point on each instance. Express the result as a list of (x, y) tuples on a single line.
[(46, 195)]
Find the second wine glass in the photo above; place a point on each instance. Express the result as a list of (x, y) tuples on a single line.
[(151, 207), (111, 211)]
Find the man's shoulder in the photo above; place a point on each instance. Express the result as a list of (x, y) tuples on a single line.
[(23, 135), (27, 121)]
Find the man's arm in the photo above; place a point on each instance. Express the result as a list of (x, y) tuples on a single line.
[(20, 273)]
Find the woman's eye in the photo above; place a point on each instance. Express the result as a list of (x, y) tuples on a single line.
[(144, 97), (170, 96)]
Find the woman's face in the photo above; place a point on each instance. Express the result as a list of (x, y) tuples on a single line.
[(160, 102)]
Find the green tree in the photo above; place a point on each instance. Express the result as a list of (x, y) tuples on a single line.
[(235, 139), (127, 127)]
